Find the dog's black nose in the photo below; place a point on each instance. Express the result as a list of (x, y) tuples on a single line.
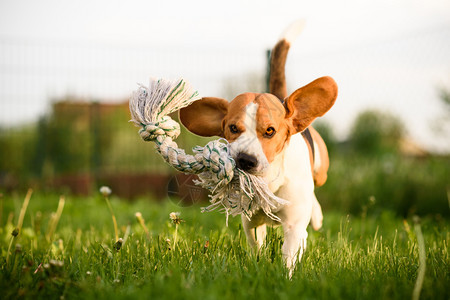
[(246, 162)]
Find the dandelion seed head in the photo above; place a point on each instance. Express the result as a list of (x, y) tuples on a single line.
[(105, 191), (175, 217)]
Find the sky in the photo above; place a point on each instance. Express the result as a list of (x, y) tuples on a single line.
[(388, 55)]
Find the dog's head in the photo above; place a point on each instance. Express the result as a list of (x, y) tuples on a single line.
[(258, 126)]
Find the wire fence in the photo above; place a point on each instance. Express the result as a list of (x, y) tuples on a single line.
[(63, 105)]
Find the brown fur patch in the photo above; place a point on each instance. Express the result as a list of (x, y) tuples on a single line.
[(311, 101), (204, 117), (277, 81), (236, 116), (271, 113)]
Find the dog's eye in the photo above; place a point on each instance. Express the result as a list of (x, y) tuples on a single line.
[(269, 132), (234, 129)]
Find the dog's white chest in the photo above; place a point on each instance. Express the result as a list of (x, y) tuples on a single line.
[(291, 166)]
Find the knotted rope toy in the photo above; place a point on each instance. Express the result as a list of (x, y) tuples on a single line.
[(236, 191)]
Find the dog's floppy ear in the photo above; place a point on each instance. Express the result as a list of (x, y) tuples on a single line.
[(204, 117), (309, 102)]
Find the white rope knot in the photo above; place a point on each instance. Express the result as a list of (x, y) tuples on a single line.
[(233, 189), (165, 127), (216, 158)]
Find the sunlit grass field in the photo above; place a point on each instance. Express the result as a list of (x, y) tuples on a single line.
[(72, 253)]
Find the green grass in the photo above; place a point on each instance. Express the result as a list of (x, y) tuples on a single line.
[(374, 255)]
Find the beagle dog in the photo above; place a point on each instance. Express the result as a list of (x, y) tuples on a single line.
[(270, 135)]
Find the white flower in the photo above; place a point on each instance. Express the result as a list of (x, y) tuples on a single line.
[(174, 215), (105, 191), (56, 263)]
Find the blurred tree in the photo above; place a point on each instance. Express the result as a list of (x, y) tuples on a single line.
[(445, 97), (374, 132), (441, 124), (16, 153), (69, 138), (78, 135)]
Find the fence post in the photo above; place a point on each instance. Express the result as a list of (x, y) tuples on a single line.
[(268, 55), (95, 149)]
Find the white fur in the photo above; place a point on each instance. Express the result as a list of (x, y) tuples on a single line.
[(248, 141), (317, 161), (294, 30), (316, 216)]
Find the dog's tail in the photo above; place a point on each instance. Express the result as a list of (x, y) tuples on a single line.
[(277, 78)]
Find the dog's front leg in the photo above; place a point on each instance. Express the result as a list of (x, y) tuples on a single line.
[(295, 236), (255, 231), (295, 219)]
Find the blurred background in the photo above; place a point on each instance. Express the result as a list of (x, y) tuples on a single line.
[(67, 69)]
